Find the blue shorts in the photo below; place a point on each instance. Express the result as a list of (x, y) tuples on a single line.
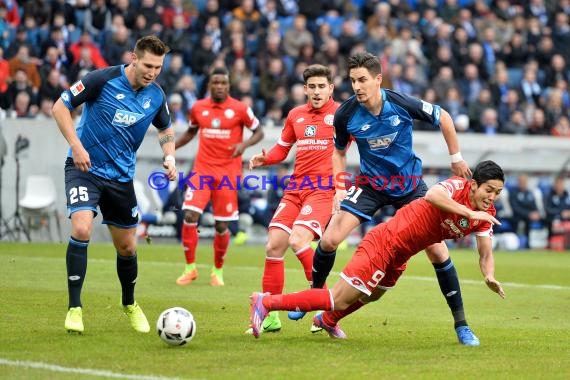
[(364, 201), (116, 200)]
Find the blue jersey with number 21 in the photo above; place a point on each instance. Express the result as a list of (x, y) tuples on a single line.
[(385, 141)]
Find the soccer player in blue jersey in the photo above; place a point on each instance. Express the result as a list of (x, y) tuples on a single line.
[(380, 121), (120, 103)]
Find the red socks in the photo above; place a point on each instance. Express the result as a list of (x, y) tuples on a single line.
[(190, 241), (307, 300), (331, 318), (305, 256), (273, 275), (221, 242)]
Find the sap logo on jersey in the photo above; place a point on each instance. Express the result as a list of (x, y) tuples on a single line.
[(124, 118), (381, 142)]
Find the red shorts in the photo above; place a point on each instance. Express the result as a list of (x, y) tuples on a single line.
[(374, 264), (310, 209), (221, 189)]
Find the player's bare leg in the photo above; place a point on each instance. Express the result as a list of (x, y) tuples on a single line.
[(340, 297)]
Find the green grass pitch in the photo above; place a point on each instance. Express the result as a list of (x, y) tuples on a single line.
[(407, 335)]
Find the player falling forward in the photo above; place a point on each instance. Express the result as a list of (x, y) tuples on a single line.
[(451, 209)]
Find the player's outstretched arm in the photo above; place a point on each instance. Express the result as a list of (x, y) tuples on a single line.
[(487, 264), (64, 121), (439, 197)]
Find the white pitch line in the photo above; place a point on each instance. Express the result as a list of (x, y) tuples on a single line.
[(509, 284), (404, 276), (83, 371)]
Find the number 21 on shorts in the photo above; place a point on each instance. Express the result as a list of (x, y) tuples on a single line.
[(352, 194)]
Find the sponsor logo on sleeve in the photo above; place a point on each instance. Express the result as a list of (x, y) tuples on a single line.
[(427, 107), (458, 184), (77, 88)]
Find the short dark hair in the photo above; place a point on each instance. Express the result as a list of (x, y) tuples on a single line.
[(151, 44), (219, 71), (367, 60), (317, 70), (487, 171)]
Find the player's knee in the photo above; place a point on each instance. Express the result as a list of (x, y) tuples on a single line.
[(437, 253), (221, 227), (329, 242), (274, 250), (126, 248), (81, 232), (191, 217), (297, 242)]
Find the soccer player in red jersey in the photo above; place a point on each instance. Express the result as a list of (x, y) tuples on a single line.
[(306, 205), (451, 209), (220, 119)]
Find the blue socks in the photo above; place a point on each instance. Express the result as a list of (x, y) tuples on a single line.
[(323, 263), (127, 270), (449, 285), (76, 262)]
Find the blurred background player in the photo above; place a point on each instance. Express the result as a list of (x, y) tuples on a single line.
[(465, 205), (220, 119), (381, 122), (121, 103), (306, 205)]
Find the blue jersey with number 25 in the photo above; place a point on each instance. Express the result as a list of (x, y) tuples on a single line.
[(115, 119)]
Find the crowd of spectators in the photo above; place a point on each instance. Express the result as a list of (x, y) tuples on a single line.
[(497, 66)]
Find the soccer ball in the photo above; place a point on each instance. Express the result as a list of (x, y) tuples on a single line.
[(176, 326)]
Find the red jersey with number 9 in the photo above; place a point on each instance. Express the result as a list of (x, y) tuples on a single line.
[(420, 224)]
